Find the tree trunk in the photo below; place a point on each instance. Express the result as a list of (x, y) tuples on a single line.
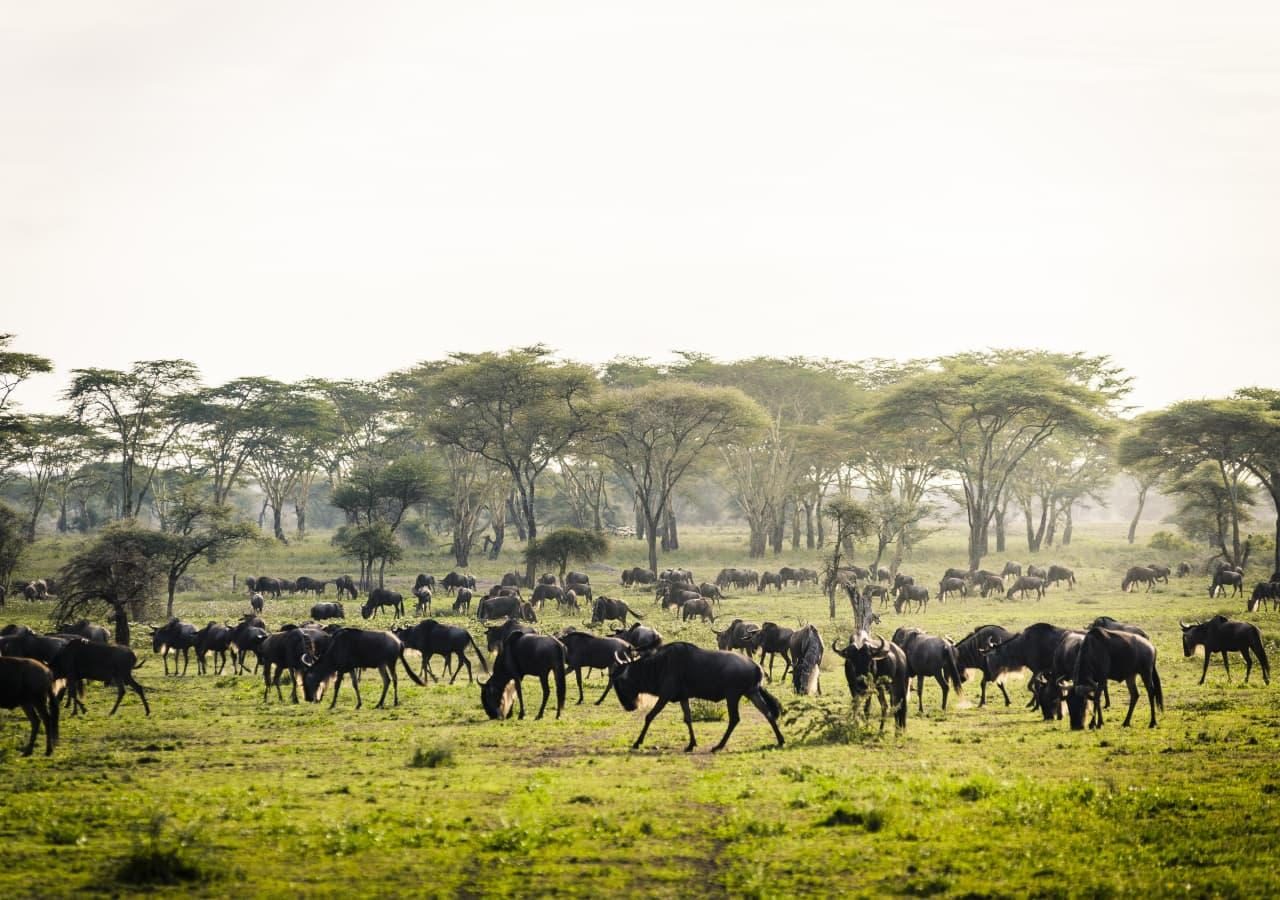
[(382, 568), (651, 538), (277, 523), (758, 540), (1053, 525), (670, 528), (640, 519), (795, 526), (300, 511), (822, 528), (1066, 527), (1000, 521), (262, 513), (120, 618), (173, 587), (808, 525), (1142, 501), (514, 515)]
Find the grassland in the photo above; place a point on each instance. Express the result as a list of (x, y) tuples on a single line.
[(219, 793)]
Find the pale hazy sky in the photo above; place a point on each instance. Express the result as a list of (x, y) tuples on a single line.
[(309, 188)]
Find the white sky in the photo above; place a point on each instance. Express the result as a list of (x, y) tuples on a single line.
[(297, 189)]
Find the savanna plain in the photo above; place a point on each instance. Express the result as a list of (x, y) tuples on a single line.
[(219, 793)]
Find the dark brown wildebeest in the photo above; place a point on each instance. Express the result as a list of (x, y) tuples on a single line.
[(1138, 575), (698, 607), (1059, 573), (932, 656), (28, 684), (868, 665), (1024, 584), (1227, 578), (1221, 635), (522, 654), (952, 585), (1110, 655)]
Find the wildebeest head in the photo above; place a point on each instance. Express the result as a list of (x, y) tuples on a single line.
[(497, 695), (860, 658), (1192, 635), (631, 678)]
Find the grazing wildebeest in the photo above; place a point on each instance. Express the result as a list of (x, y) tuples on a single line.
[(872, 591), (1108, 622), (351, 650), (308, 585), (1047, 686), (544, 592), (346, 587), (1037, 572), (380, 597), (1026, 583), (641, 637), (511, 579), (87, 630), (568, 602), (806, 659), (322, 611), (520, 655), (28, 684), (1011, 568), (455, 580), (682, 672), (498, 607), (739, 635), (774, 639), (1059, 573), (587, 651), (1221, 635), (867, 666), (700, 606), (256, 602), (1138, 575), (25, 642), (423, 580), (1184, 569), (1227, 578), (769, 578), (1106, 654), (902, 580), (1162, 572), (265, 585), (909, 593), (462, 604), (988, 583), (431, 638), (606, 609), (952, 585), (285, 650), (971, 654), (423, 604), (637, 575), (213, 638), (710, 591), (1262, 592), (111, 664), (857, 573), (177, 636), (496, 634), (932, 656)]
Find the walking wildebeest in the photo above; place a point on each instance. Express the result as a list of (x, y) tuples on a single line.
[(351, 650), (423, 606), (607, 609), (739, 635), (1262, 592), (177, 636), (1059, 573), (1221, 635), (213, 638), (462, 604), (111, 664), (971, 654), (641, 637), (1011, 568), (504, 606), (346, 587), (322, 611), (682, 672), (1106, 654), (524, 654), (908, 593), (769, 578), (431, 638), (588, 651), (932, 656), (455, 580), (1227, 578), (774, 639), (1138, 575), (28, 684), (952, 585), (698, 607), (868, 666)]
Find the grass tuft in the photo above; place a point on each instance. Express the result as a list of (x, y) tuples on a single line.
[(432, 758)]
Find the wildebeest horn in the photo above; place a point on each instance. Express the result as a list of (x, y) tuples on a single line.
[(619, 658), (1184, 625), (835, 646), (308, 659), (881, 647)]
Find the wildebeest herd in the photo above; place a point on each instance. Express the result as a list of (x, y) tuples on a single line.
[(1068, 667)]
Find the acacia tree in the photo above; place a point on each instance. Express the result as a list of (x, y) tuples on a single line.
[(519, 410), (563, 545), (12, 544), (139, 410), (853, 522), (15, 368), (195, 528), (988, 412), (122, 570), (1207, 509), (48, 448), (227, 423), (290, 452), (369, 544)]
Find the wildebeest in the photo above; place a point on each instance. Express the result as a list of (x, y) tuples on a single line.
[(346, 587), (111, 664), (1047, 686), (867, 666), (682, 672), (606, 609), (380, 597), (455, 580), (874, 591), (952, 585), (932, 656), (180, 637), (774, 639), (806, 660), (900, 580), (1059, 573), (256, 602), (971, 653), (710, 591), (288, 650), (1037, 572), (462, 603), (576, 578), (266, 585), (700, 607), (909, 593), (962, 574), (567, 601), (1262, 592), (28, 684), (1222, 635), (503, 606), (306, 585), (988, 583), (246, 635), (1026, 583), (424, 580), (1108, 622), (739, 635), (423, 604), (322, 611), (431, 638), (351, 650), (1184, 569), (213, 638), (1138, 575), (769, 578), (641, 637), (1162, 572), (521, 655), (1031, 648), (636, 575), (1011, 568), (496, 634), (1107, 654), (588, 651), (87, 630), (1227, 578), (511, 579), (544, 592)]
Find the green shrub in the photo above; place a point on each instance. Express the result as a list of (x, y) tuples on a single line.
[(432, 758), (1168, 542), (161, 858)]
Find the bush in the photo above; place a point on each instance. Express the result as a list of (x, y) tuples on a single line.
[(1168, 542), (161, 858), (871, 818), (432, 758)]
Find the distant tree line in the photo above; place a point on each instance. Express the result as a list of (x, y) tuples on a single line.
[(479, 445)]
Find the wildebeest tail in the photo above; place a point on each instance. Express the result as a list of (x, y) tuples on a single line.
[(632, 611), (484, 665), (953, 673), (1157, 692), (408, 670), (775, 708), (1262, 656), (52, 724)]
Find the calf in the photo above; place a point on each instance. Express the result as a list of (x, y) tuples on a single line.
[(423, 606)]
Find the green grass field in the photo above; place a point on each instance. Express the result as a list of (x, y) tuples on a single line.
[(219, 793)]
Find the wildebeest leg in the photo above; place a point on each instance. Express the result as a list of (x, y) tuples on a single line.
[(657, 708), (920, 692), (546, 694), (186, 660), (337, 684), (884, 707), (607, 688), (1007, 701), (688, 723), (1132, 683), (137, 689), (942, 683), (462, 661), (387, 681), (1226, 664), (578, 674), (119, 697), (520, 697), (30, 710), (1205, 670), (1248, 663)]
